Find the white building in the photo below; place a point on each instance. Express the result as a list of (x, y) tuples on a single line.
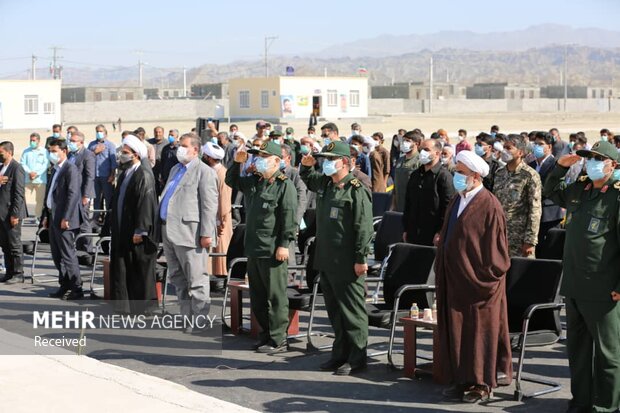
[(29, 104), (296, 97)]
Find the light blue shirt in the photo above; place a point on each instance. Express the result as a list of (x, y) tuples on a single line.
[(35, 160), (105, 161), (163, 211)]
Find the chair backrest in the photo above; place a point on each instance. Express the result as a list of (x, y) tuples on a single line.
[(409, 264), (552, 247), (381, 202), (533, 281), (311, 273), (310, 230), (236, 249), (390, 231)]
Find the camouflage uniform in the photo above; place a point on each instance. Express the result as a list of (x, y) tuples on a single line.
[(519, 192)]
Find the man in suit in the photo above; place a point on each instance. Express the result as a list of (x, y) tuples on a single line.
[(84, 160), (544, 163), (188, 212), (12, 211), (62, 217)]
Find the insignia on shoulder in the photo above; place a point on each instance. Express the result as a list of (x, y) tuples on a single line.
[(583, 178), (263, 146), (282, 177), (617, 185), (330, 147), (356, 183)]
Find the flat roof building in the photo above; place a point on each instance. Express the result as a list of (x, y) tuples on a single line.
[(29, 104)]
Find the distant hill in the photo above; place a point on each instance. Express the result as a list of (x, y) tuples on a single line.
[(534, 55)]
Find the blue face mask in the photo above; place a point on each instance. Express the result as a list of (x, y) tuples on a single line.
[(460, 182), (53, 157), (72, 146), (539, 151), (304, 150), (329, 167), (56, 135), (261, 165), (170, 138), (616, 174), (100, 136), (282, 165), (327, 141), (214, 141), (595, 169), (479, 150)]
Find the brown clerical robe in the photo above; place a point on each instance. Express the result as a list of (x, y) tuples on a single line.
[(471, 266), (217, 265)]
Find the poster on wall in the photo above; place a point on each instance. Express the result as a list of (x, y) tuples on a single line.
[(287, 106), (343, 103), (302, 101)]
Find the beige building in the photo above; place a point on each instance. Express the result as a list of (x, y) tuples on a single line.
[(29, 104), (296, 97)]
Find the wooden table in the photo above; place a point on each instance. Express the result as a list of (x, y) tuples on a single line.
[(411, 346), (237, 288)]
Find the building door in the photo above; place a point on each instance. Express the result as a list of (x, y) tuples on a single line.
[(316, 106)]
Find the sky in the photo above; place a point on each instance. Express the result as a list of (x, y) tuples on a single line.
[(177, 33)]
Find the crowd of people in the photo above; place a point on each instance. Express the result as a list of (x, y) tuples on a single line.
[(479, 204)]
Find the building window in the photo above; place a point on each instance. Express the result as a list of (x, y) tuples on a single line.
[(593, 93), (439, 93), (332, 98), (244, 99), (31, 104), (166, 94), (354, 98), (129, 96), (113, 95), (97, 96), (451, 90), (512, 94), (176, 93), (531, 94), (417, 94), (264, 99), (522, 94), (49, 108)]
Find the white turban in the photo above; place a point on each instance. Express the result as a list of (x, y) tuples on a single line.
[(474, 162), (136, 145), (370, 142), (239, 135), (213, 151)]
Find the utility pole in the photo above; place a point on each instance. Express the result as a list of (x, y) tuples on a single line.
[(56, 69), (268, 42), (33, 68), (184, 82), (430, 81), (140, 67), (565, 76)]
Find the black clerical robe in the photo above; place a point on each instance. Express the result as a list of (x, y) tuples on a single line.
[(132, 274)]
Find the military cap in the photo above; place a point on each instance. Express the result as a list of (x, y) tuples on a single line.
[(275, 133), (335, 149), (602, 148), (268, 148), (290, 130)]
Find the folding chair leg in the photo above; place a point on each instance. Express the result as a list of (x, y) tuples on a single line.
[(165, 292), (311, 346)]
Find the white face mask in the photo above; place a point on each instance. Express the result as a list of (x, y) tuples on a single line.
[(182, 155), (405, 147), (461, 138)]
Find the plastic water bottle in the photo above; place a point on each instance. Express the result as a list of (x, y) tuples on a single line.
[(415, 311), (434, 307)]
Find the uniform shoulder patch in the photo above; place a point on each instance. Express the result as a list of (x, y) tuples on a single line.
[(617, 185), (583, 178), (282, 177), (355, 182)]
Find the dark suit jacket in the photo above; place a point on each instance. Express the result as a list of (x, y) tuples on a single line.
[(550, 211), (84, 161), (67, 196), (12, 198)]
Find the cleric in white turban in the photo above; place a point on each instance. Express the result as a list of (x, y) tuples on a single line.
[(213, 151), (133, 249), (472, 261)]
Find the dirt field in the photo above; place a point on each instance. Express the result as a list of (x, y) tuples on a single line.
[(473, 123)]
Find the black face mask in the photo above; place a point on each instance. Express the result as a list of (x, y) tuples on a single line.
[(2, 158)]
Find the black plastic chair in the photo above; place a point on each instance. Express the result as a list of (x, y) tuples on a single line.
[(552, 247), (389, 231), (533, 302)]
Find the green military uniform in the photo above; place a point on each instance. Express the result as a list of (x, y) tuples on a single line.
[(271, 208), (402, 170), (591, 273), (519, 192), (294, 145), (344, 232)]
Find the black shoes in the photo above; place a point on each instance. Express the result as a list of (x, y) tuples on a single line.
[(270, 349), (5, 278), (74, 294), (59, 293), (331, 365), (346, 369), (259, 344)]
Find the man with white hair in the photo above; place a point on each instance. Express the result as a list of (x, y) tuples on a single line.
[(473, 342), (134, 239), (188, 213)]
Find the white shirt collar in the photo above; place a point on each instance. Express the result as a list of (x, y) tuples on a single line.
[(467, 196)]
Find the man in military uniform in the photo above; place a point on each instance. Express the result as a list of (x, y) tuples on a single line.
[(591, 281), (344, 231), (518, 188), (484, 149), (408, 162), (271, 227)]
